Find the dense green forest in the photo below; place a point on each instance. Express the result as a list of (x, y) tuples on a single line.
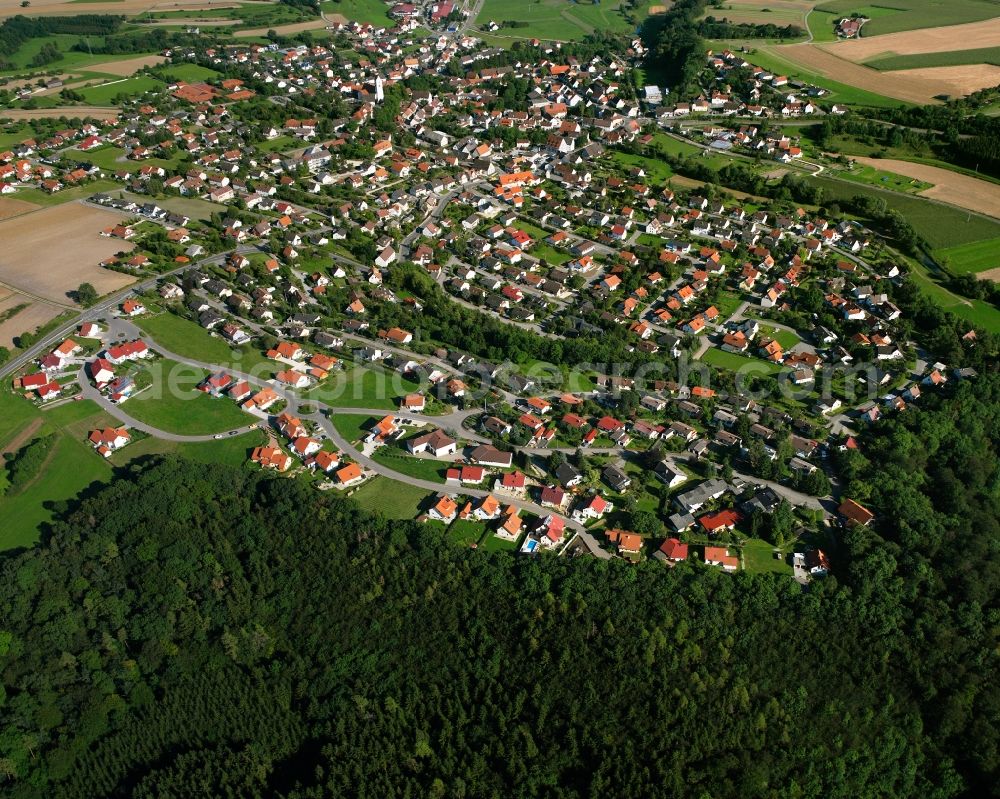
[(200, 630)]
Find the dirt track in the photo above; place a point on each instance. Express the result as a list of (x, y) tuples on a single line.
[(950, 187), (945, 39)]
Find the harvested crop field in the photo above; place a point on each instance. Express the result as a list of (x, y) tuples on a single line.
[(761, 12), (126, 67), (295, 27), (50, 252), (919, 90), (963, 79), (28, 319), (944, 39), (991, 274), (68, 111), (10, 207), (949, 187)]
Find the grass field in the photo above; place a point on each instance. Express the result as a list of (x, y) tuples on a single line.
[(392, 499), (186, 338), (734, 362), (820, 24), (126, 87), (374, 12), (886, 180), (465, 533), (358, 387), (71, 59), (656, 171), (941, 225), (107, 159), (904, 15), (981, 55), (174, 405), (977, 256), (977, 312), (421, 468), (71, 467), (187, 72), (66, 195), (233, 451), (560, 20)]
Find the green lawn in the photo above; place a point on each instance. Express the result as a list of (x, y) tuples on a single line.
[(352, 426), (977, 312), (174, 405), (735, 362), (360, 387), (758, 557), (107, 158), (785, 338), (421, 468), (977, 256), (392, 499)]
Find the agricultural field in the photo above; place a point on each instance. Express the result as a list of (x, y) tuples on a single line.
[(779, 60), (174, 405), (947, 186), (761, 12), (10, 207), (245, 15), (943, 39), (35, 259), (559, 20), (893, 16), (940, 225), (20, 314), (974, 258), (9, 8), (983, 55), (822, 60)]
